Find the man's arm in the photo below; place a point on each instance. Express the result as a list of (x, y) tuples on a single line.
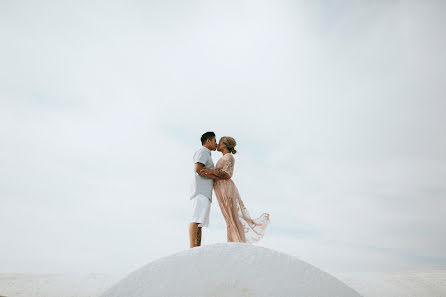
[(215, 174), (210, 173), (198, 169)]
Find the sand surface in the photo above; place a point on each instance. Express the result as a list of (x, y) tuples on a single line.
[(369, 284)]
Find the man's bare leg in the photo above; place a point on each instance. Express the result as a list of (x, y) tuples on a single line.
[(198, 237), (193, 234)]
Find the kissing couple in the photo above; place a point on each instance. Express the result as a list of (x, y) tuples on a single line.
[(207, 177)]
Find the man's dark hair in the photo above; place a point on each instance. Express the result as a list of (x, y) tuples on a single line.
[(206, 136)]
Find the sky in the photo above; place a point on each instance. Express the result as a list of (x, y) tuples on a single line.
[(337, 108)]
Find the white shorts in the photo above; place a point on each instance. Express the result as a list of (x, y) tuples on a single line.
[(201, 209)]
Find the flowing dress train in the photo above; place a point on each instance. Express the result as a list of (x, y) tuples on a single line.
[(240, 226)]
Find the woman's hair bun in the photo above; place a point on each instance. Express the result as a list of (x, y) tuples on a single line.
[(230, 143)]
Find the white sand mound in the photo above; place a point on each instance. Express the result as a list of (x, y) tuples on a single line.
[(229, 269)]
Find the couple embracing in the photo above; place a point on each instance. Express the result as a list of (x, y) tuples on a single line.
[(207, 177)]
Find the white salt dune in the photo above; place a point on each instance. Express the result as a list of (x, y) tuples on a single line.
[(368, 284), (230, 270)]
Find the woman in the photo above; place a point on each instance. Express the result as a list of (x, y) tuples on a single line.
[(240, 226)]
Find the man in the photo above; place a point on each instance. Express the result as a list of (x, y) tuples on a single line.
[(202, 186)]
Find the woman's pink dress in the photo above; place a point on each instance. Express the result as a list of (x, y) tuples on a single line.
[(240, 226)]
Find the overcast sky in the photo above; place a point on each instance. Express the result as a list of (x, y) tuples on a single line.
[(337, 108)]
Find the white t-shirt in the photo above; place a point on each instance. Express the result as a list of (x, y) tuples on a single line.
[(200, 184)]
